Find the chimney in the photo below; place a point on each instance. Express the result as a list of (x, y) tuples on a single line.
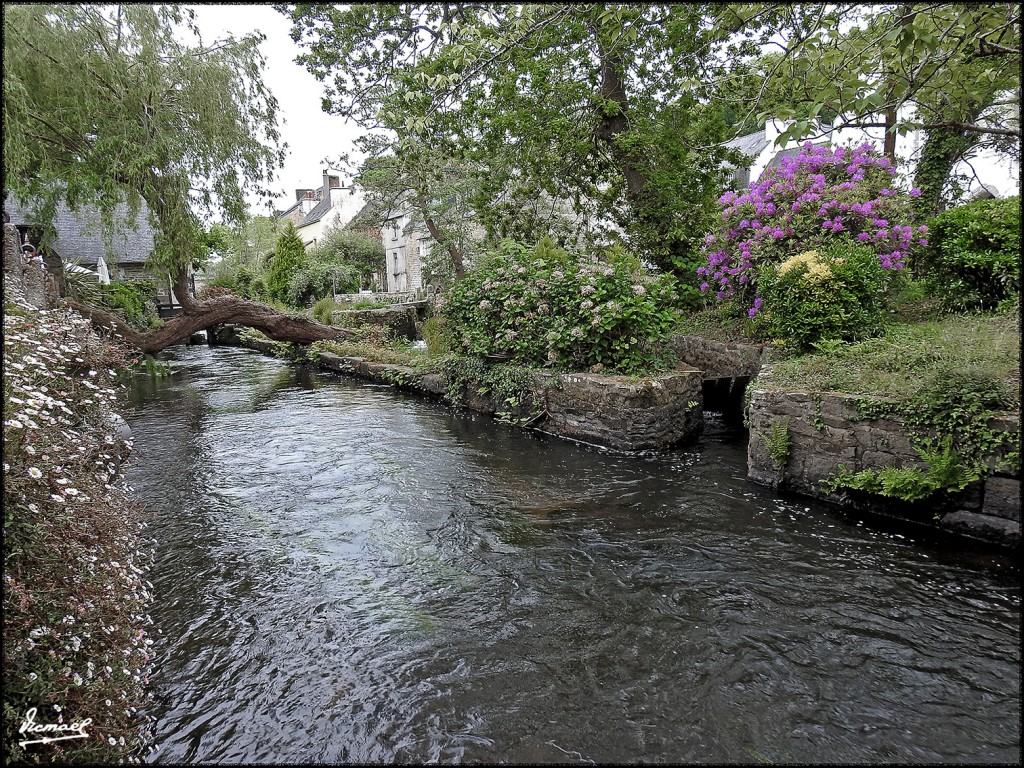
[(330, 182)]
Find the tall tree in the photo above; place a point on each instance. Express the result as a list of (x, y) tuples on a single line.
[(103, 104), (599, 107), (950, 69)]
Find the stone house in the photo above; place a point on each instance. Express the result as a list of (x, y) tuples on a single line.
[(315, 211), (405, 250), (78, 242)]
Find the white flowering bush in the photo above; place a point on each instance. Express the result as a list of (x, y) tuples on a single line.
[(75, 640), (542, 306)]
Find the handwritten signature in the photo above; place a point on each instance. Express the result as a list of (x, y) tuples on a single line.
[(75, 730)]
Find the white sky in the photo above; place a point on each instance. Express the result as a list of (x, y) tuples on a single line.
[(311, 134)]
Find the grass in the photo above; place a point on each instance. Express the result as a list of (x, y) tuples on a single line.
[(393, 353), (719, 323), (909, 357)]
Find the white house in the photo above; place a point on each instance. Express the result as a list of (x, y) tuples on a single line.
[(994, 172), (315, 211)]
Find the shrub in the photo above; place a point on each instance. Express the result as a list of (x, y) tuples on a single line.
[(973, 260), (313, 280), (436, 335), (541, 306), (323, 310), (834, 293), (820, 197), (131, 297), (289, 253)]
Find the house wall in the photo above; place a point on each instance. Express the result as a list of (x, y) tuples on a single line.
[(344, 205), (404, 254)]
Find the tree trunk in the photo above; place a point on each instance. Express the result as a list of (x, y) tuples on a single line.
[(435, 232), (200, 315), (943, 148), (614, 122)]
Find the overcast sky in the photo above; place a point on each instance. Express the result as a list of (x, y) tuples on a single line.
[(311, 134)]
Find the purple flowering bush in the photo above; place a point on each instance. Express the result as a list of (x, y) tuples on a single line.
[(542, 306), (821, 197)]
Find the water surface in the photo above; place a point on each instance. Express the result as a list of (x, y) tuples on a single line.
[(349, 574)]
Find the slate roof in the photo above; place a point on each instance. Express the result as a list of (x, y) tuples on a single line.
[(751, 145), (318, 212), (79, 234)]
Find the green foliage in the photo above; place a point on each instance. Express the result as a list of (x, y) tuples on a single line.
[(323, 310), (130, 298), (360, 253), (436, 335), (973, 258), (777, 442), (289, 254), (244, 251), (908, 358), (511, 387), (502, 117), (544, 307), (105, 104), (834, 293), (313, 280), (949, 424), (865, 61), (342, 262)]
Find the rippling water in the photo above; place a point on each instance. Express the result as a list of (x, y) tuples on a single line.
[(349, 574)]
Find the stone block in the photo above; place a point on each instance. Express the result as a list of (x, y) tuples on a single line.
[(1002, 498), (625, 414), (997, 530)]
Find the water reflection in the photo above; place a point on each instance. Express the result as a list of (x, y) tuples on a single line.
[(349, 574)]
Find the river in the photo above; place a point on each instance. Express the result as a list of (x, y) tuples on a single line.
[(346, 573)]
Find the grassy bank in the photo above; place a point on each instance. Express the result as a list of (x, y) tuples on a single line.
[(911, 356), (75, 645)]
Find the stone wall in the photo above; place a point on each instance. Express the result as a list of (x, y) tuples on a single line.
[(610, 411), (718, 359), (400, 319), (623, 413), (827, 432), (26, 278)]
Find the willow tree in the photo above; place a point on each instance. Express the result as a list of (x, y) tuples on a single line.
[(105, 105)]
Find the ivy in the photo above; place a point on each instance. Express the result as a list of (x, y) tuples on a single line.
[(949, 424)]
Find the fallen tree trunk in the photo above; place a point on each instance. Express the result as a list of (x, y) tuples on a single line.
[(200, 315)]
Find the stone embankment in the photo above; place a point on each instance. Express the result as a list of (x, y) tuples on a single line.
[(616, 412), (825, 433)]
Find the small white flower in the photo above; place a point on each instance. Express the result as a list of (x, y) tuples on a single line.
[(35, 472)]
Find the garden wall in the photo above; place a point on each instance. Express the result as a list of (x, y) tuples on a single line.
[(400, 318), (611, 411), (718, 359), (827, 430)]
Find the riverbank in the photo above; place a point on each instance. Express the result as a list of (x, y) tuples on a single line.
[(76, 645), (806, 442)]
